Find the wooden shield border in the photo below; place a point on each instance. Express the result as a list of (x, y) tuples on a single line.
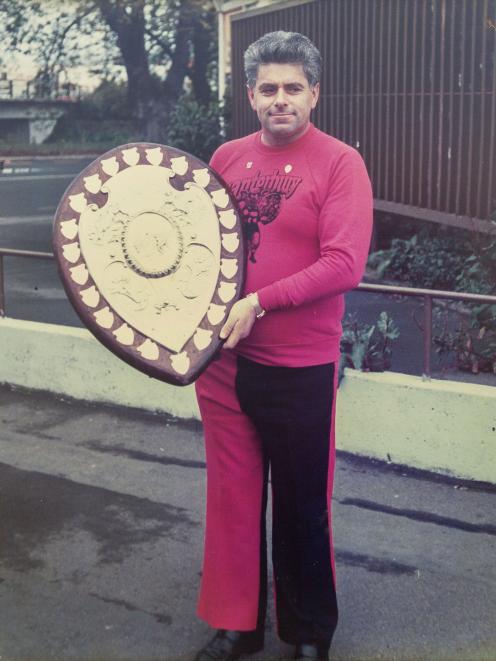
[(117, 334)]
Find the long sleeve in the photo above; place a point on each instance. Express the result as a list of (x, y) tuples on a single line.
[(344, 231)]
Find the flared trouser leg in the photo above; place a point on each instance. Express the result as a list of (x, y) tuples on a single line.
[(234, 584), (292, 409)]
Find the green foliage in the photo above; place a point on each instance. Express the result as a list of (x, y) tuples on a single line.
[(478, 274), (456, 261), (107, 101), (422, 261), (367, 347), (473, 341), (83, 132), (435, 259), (195, 128), (100, 118)]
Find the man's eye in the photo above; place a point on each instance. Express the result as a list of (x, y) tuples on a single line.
[(268, 90), (294, 89)]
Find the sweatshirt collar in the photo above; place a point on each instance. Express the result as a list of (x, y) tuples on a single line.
[(278, 149)]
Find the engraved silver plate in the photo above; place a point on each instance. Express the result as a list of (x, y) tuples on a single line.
[(150, 250)]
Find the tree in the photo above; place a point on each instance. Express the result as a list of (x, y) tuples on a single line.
[(159, 43)]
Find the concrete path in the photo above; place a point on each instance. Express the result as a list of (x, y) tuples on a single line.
[(101, 527)]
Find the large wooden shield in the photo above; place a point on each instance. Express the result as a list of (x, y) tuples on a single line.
[(149, 247)]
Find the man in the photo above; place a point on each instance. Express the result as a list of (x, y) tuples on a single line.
[(306, 202)]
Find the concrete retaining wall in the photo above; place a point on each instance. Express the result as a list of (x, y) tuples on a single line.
[(70, 361), (443, 426)]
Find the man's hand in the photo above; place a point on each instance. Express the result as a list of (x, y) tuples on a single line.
[(239, 323)]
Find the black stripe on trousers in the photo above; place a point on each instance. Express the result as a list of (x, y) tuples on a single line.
[(291, 408)]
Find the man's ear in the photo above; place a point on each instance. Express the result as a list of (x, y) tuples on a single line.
[(315, 94), (251, 96)]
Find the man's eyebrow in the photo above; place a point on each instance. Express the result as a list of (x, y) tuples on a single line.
[(291, 84)]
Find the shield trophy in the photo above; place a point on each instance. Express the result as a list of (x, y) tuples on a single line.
[(149, 248)]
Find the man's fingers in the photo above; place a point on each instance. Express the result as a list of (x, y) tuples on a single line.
[(239, 323), (227, 327), (232, 340), (234, 335)]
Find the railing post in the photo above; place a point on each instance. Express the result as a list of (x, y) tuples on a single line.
[(2, 289), (427, 334)]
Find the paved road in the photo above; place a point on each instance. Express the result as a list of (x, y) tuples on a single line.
[(101, 528), (29, 193)]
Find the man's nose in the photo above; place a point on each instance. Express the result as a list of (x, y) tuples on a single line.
[(280, 99)]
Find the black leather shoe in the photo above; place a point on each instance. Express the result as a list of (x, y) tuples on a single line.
[(311, 651), (229, 645)]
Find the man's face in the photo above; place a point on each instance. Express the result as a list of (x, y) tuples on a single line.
[(283, 100)]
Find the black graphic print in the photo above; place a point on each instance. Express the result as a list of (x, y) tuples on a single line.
[(259, 201)]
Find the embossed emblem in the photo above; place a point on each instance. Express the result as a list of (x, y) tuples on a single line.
[(150, 251)]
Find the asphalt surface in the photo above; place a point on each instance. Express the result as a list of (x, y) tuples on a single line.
[(101, 530)]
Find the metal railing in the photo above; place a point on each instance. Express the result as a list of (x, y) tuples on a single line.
[(12, 89), (428, 295)]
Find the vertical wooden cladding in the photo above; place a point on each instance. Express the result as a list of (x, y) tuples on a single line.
[(410, 83)]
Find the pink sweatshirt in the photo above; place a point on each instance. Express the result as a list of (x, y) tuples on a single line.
[(307, 219)]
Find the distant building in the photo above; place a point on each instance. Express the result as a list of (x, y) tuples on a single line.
[(29, 121), (29, 110)]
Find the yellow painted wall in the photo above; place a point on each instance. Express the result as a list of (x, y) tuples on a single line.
[(443, 426)]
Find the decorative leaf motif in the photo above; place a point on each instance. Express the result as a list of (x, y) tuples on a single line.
[(104, 317), (230, 241), (180, 362), (227, 219), (202, 338), (79, 274), (110, 166), (78, 202), (216, 313), (71, 252), (90, 296), (220, 198), (93, 183), (154, 156), (130, 156), (179, 165), (69, 228), (201, 177), (227, 291), (228, 267), (149, 350), (124, 334)]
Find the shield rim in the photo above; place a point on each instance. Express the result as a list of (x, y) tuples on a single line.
[(128, 354)]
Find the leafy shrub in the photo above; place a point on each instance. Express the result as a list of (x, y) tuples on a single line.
[(367, 347), (473, 341), (455, 261), (108, 133), (107, 101), (195, 128), (435, 259), (422, 261)]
